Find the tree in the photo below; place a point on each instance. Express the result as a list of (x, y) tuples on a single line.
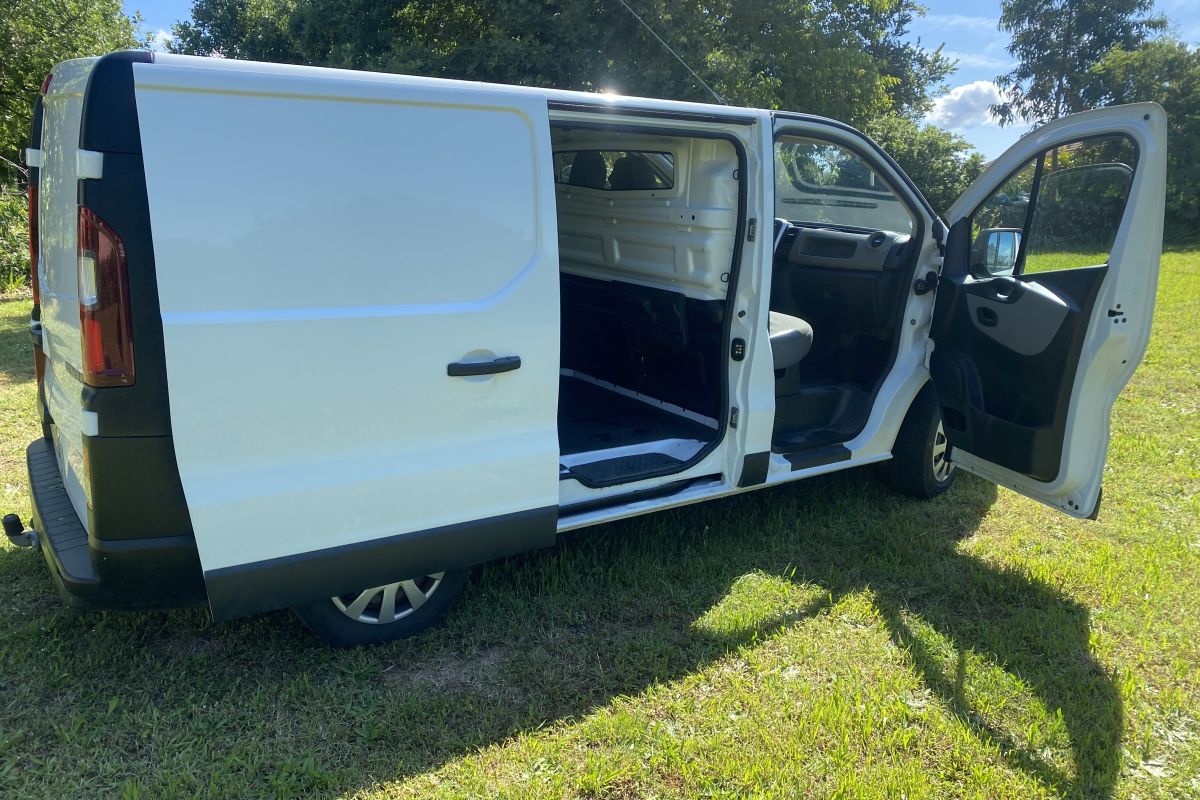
[(36, 35), (843, 58), (1056, 44), (940, 163), (1166, 71)]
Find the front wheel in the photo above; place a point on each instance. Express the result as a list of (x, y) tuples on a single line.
[(920, 466), (383, 613)]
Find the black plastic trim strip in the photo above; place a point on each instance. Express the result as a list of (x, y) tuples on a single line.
[(1030, 207), (613, 110), (246, 589), (754, 469), (818, 457), (109, 122), (734, 270), (596, 474)]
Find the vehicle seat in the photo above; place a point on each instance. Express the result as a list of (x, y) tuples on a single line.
[(791, 339), (632, 172), (588, 169)]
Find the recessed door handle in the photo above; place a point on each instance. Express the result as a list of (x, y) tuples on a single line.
[(463, 369), (987, 317)]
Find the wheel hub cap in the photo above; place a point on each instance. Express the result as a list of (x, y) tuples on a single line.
[(941, 465), (390, 602)]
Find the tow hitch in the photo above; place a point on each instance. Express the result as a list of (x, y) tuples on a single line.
[(14, 529)]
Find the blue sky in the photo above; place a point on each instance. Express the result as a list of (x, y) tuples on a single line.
[(968, 28)]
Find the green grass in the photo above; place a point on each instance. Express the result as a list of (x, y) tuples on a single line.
[(828, 639), (1054, 260)]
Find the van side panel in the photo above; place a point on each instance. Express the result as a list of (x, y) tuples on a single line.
[(325, 249)]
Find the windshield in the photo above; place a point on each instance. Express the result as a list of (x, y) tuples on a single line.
[(824, 183)]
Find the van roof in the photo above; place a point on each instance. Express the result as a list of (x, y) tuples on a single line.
[(593, 100)]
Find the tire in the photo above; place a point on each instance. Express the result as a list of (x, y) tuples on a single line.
[(919, 467), (349, 620)]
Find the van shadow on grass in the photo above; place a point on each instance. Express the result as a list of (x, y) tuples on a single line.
[(178, 706)]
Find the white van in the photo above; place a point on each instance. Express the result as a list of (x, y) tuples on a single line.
[(324, 339)]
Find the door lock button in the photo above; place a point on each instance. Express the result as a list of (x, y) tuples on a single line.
[(738, 350)]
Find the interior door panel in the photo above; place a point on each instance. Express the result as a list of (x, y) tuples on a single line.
[(1024, 316), (1006, 357)]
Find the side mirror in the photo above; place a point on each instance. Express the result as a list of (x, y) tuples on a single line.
[(995, 251)]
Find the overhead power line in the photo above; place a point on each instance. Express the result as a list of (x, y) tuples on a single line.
[(678, 57)]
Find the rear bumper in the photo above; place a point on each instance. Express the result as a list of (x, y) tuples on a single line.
[(161, 572), (62, 538)]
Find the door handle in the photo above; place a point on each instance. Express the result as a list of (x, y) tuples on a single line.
[(986, 316), (1004, 290), (463, 369)]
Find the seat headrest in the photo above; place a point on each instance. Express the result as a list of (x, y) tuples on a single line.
[(588, 169)]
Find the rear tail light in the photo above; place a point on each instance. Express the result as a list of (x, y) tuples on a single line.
[(33, 242), (105, 322)]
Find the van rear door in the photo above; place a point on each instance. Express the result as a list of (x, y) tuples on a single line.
[(359, 291), (57, 273)]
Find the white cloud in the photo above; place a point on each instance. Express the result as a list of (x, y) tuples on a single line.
[(963, 21), (965, 106), (161, 39), (977, 60)]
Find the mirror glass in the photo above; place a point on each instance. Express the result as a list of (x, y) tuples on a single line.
[(995, 250)]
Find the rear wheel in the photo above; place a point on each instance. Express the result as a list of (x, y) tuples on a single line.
[(383, 613), (919, 465)]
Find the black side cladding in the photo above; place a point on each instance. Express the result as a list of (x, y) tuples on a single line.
[(289, 580), (138, 512), (754, 469)]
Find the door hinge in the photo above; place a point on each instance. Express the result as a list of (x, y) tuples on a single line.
[(89, 165), (733, 417), (751, 230)]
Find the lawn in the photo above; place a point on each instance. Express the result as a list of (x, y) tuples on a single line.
[(828, 639)]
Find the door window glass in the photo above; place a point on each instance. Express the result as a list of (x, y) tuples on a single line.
[(820, 182), (1061, 210), (615, 170)]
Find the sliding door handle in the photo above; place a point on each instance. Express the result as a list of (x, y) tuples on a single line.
[(463, 369)]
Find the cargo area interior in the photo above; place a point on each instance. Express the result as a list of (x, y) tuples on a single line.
[(647, 228), (646, 241)]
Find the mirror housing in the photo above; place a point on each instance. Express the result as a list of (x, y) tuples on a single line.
[(995, 250)]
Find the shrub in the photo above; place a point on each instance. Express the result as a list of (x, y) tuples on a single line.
[(14, 240)]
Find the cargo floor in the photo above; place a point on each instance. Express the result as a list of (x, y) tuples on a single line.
[(592, 417)]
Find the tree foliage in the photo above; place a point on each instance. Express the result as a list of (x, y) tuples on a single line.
[(941, 163), (34, 36), (843, 58), (1056, 44), (1168, 72)]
